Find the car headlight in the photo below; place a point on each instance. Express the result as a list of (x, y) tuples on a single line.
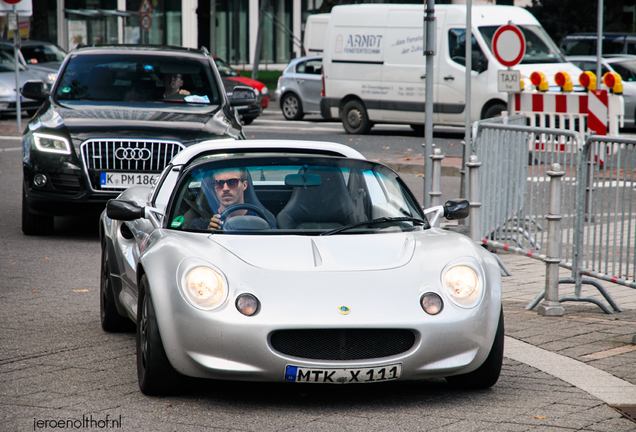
[(51, 77), (6, 91), (265, 91), (51, 144), (205, 288), (463, 285)]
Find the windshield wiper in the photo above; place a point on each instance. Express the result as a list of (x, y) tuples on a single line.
[(374, 222)]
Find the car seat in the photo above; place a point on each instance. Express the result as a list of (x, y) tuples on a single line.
[(326, 206)]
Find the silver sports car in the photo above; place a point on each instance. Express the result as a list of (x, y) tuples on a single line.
[(295, 261)]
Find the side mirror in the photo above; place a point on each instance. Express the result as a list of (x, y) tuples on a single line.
[(242, 95), (479, 61), (124, 210), (36, 90), (456, 209)]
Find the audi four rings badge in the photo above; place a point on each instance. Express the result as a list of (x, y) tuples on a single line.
[(133, 154)]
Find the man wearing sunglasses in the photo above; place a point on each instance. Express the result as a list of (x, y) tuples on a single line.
[(229, 187)]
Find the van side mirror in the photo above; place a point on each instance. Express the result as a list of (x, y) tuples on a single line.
[(479, 61), (242, 95), (36, 90)]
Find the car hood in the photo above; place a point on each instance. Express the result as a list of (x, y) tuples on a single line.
[(332, 253), (104, 121)]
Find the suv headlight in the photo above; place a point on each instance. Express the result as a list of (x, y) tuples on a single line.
[(463, 284), (265, 91), (51, 144)]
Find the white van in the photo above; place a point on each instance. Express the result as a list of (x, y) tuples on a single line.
[(374, 64), (315, 31)]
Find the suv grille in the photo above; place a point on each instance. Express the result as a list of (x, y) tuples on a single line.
[(127, 156), (341, 344)]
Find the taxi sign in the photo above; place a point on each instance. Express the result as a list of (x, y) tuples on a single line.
[(509, 80)]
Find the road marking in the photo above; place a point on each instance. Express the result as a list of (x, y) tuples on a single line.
[(605, 386), (10, 137), (610, 352), (11, 149)]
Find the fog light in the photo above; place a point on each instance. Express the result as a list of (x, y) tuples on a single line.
[(39, 180), (431, 303), (247, 304)]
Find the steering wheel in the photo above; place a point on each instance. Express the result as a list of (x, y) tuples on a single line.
[(244, 206)]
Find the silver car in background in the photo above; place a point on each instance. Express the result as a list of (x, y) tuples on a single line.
[(299, 87), (625, 66), (7, 82)]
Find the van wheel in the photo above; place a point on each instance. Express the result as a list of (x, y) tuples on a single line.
[(495, 111), (292, 107), (355, 119)]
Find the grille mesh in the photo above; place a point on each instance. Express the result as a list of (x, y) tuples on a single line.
[(127, 156), (342, 344)]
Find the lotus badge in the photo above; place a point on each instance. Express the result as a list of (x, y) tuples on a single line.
[(344, 310)]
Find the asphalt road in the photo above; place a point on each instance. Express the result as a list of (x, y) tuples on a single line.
[(56, 363)]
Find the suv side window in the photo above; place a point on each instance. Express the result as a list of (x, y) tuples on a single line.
[(457, 47)]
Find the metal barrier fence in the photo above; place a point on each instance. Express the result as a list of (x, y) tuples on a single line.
[(597, 232)]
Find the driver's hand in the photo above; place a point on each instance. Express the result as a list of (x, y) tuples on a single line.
[(215, 223), (184, 92)]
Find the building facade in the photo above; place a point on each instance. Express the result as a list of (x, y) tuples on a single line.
[(228, 28)]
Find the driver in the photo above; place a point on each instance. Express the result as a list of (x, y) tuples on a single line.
[(229, 186)]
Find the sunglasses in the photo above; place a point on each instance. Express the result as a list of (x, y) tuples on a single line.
[(231, 183)]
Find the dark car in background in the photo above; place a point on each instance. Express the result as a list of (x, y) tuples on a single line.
[(585, 44), (231, 78), (110, 122), (299, 87)]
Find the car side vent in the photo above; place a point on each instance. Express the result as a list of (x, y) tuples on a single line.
[(342, 344)]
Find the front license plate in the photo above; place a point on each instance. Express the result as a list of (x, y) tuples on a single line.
[(126, 180), (343, 376)]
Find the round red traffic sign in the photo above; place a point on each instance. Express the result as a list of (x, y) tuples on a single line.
[(509, 45), (146, 22), (11, 2)]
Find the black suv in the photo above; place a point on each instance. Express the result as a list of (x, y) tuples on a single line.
[(113, 120)]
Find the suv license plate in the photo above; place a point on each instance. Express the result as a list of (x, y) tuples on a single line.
[(126, 180), (343, 376)]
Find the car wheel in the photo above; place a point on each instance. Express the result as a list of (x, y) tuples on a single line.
[(292, 107), (112, 321), (155, 374), (418, 128), (355, 119), (31, 113), (248, 120), (488, 373), (495, 111), (35, 224)]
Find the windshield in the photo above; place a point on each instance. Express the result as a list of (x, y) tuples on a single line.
[(292, 195), (7, 62), (626, 69), (225, 69), (539, 47), (35, 54), (138, 78)]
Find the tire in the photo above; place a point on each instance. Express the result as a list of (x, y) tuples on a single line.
[(355, 119), (111, 320), (292, 107), (31, 113), (494, 111), (418, 128), (488, 373), (35, 224), (248, 120), (155, 374)]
